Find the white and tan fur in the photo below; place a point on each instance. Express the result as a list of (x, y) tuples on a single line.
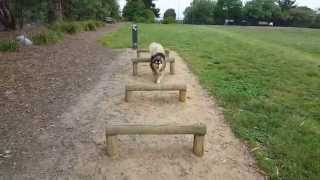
[(158, 61)]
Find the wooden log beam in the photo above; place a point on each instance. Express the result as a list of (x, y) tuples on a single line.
[(139, 51), (182, 88), (198, 130), (147, 60), (156, 87)]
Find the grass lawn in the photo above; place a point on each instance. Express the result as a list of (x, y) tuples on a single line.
[(266, 79)]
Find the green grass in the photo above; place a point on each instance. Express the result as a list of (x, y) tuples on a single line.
[(8, 46), (47, 37), (266, 79)]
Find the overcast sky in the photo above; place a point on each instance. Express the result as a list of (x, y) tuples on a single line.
[(180, 5)]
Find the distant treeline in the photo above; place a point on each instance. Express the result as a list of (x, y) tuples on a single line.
[(15, 13), (254, 12)]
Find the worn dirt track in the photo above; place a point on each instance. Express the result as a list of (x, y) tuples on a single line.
[(57, 100)]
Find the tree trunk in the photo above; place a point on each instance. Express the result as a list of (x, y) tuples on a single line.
[(55, 10), (58, 10), (6, 16)]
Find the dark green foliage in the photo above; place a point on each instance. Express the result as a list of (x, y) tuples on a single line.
[(149, 16), (67, 27), (169, 16), (261, 10), (169, 20), (135, 10), (301, 17), (8, 46), (316, 22), (44, 11), (228, 9), (89, 26), (91, 9), (76, 26), (287, 4), (152, 6), (200, 12), (280, 12), (47, 37)]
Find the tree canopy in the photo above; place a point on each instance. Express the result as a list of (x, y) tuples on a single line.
[(261, 10), (228, 9), (136, 10), (200, 12), (280, 12), (139, 11), (18, 12), (169, 16)]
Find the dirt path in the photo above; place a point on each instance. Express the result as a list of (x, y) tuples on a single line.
[(59, 132)]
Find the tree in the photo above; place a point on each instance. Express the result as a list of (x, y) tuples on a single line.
[(228, 9), (150, 5), (169, 16), (6, 15), (301, 17), (316, 22), (286, 5), (135, 10), (200, 12), (261, 10), (90, 9)]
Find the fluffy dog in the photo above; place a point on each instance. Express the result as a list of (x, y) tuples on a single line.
[(158, 61)]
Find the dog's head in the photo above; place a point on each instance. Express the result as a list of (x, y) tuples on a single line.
[(158, 61)]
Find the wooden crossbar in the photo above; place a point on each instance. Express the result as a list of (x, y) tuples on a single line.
[(198, 130), (182, 88), (135, 62), (147, 60), (139, 51)]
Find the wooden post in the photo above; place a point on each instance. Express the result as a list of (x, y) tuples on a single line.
[(127, 95), (167, 53), (111, 141), (198, 145), (172, 67), (135, 68), (183, 95)]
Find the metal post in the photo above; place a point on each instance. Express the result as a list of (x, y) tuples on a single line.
[(134, 36)]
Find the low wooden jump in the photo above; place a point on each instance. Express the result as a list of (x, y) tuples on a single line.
[(135, 62), (198, 130), (182, 88), (139, 51)]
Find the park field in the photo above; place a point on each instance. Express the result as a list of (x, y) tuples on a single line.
[(267, 80)]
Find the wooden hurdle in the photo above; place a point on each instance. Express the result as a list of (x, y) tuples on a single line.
[(182, 88), (139, 51), (198, 130), (135, 62)]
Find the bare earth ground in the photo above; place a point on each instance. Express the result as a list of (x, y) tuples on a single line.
[(57, 100)]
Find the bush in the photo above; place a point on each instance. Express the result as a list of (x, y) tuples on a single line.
[(74, 27), (99, 23), (169, 17), (150, 17), (8, 46), (169, 20), (67, 27), (47, 37), (89, 26)]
